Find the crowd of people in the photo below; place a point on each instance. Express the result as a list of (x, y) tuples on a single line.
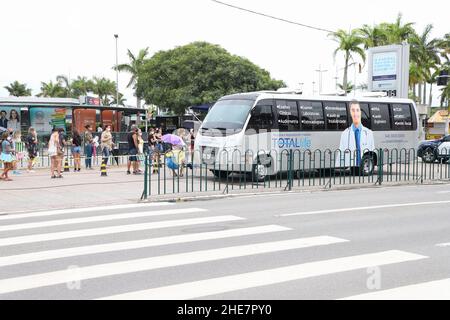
[(13, 149), (158, 150)]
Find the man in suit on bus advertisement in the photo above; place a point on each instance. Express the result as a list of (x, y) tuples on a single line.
[(3, 120), (355, 141)]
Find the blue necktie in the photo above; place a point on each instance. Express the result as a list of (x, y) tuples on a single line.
[(358, 146)]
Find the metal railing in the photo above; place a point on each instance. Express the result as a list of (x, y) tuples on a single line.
[(226, 172)]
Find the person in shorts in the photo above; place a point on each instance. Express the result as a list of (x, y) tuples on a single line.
[(7, 156), (76, 150), (133, 146), (31, 143)]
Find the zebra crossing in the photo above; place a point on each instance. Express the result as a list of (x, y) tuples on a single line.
[(196, 237)]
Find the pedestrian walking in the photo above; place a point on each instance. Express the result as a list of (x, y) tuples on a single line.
[(7, 155), (192, 144), (152, 148), (132, 150), (61, 150), (88, 146), (19, 150), (76, 150), (106, 143), (140, 156), (31, 144), (115, 152), (54, 152)]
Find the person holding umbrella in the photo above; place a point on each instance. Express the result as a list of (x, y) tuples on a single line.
[(175, 158)]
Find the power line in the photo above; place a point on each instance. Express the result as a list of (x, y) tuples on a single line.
[(272, 17)]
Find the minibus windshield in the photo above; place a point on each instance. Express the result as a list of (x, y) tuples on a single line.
[(228, 115)]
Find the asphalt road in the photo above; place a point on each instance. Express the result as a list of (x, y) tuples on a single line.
[(376, 243)]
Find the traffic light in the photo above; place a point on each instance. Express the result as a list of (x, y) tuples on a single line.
[(442, 80)]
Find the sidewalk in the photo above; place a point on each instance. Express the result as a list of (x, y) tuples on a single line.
[(37, 191)]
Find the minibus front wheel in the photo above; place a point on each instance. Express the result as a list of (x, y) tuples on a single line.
[(259, 172), (367, 164)]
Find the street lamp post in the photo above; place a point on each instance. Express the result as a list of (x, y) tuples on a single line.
[(117, 72), (320, 78)]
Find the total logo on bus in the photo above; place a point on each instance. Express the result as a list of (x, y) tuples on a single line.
[(292, 143)]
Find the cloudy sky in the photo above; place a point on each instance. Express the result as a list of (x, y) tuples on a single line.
[(45, 38)]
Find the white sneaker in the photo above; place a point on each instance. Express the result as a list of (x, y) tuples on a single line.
[(31, 171)]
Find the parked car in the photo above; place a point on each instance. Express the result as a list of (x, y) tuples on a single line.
[(433, 150)]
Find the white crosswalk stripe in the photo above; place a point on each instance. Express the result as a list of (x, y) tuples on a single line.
[(210, 287), (80, 210), (33, 225), (112, 230), (233, 244), (443, 245), (117, 268), (128, 245), (434, 290)]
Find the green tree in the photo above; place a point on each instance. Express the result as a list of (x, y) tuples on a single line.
[(425, 55), (397, 32), (81, 86), (134, 68), (65, 84), (445, 91), (444, 47), (50, 89), (104, 88), (121, 100), (350, 87), (350, 44), (18, 89), (372, 36), (445, 94), (198, 73)]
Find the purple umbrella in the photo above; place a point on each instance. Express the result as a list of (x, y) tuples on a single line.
[(172, 139)]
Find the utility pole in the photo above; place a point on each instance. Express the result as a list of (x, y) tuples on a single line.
[(117, 72), (320, 71), (336, 79)]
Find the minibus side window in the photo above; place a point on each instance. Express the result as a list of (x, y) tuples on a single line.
[(262, 117)]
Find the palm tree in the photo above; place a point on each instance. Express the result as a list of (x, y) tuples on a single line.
[(121, 100), (444, 47), (373, 36), (397, 32), (425, 53), (350, 87), (415, 77), (81, 86), (17, 89), (65, 83), (104, 88), (50, 89), (134, 68), (445, 95), (349, 44)]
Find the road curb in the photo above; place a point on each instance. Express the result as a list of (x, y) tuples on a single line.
[(187, 198)]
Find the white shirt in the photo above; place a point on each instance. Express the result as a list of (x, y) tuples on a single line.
[(347, 146)]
